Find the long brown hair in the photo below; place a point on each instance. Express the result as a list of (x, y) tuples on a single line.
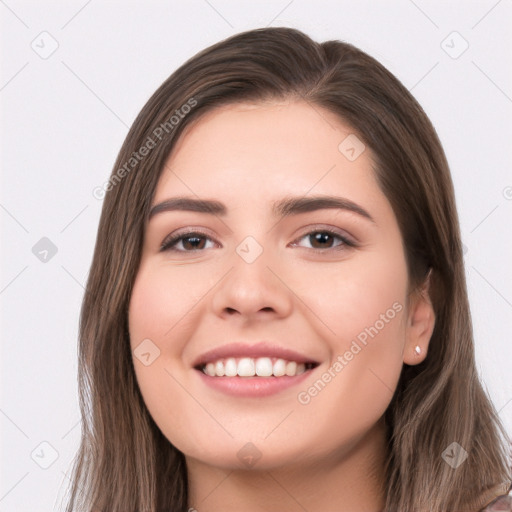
[(124, 463)]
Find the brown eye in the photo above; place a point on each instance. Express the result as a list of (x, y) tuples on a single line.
[(321, 240), (186, 242), (193, 242), (325, 239)]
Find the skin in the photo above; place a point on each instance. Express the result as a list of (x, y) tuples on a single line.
[(316, 299)]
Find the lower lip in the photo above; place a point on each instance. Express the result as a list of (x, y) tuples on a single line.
[(252, 386)]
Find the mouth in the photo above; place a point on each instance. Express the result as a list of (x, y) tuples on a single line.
[(259, 367), (242, 370)]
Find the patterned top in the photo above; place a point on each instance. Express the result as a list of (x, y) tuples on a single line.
[(502, 503)]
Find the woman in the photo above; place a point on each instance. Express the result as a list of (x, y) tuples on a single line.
[(276, 315)]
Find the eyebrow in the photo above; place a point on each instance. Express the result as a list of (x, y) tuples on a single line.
[(282, 208)]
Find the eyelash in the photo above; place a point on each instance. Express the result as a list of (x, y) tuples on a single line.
[(168, 243)]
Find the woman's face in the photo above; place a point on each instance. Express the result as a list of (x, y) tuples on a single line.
[(278, 274)]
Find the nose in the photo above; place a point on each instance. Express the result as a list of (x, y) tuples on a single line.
[(253, 291)]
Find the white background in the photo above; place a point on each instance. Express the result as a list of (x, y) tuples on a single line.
[(63, 121)]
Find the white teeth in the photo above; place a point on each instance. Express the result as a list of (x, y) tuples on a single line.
[(219, 368), (264, 367), (279, 368), (230, 368), (250, 367), (210, 369), (291, 368), (246, 367)]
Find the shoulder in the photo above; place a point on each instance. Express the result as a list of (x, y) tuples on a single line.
[(501, 503)]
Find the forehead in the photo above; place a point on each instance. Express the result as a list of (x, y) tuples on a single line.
[(253, 151)]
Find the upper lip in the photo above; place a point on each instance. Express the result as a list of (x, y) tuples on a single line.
[(261, 349)]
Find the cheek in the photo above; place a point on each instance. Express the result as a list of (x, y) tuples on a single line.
[(361, 309), (158, 322), (166, 308), (162, 307), (354, 298)]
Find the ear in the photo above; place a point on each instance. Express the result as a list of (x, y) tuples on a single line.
[(420, 324)]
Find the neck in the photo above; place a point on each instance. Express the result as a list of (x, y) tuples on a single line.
[(352, 482)]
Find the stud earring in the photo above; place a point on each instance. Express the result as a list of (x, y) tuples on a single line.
[(417, 349)]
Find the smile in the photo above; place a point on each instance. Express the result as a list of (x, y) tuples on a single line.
[(255, 367)]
